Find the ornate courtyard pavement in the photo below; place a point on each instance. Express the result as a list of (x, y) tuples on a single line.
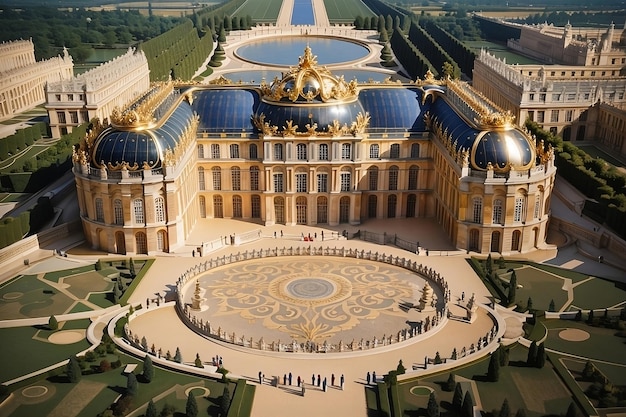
[(309, 298)]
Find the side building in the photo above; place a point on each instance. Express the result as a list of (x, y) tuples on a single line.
[(22, 78), (95, 93), (313, 149)]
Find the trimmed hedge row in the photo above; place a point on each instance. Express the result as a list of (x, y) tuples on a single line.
[(413, 61), (21, 139), (14, 229), (431, 49), (463, 56)]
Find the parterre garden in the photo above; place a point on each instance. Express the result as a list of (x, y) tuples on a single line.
[(344, 11)]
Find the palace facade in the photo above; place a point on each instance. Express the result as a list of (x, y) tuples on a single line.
[(311, 148), (22, 78), (95, 93)]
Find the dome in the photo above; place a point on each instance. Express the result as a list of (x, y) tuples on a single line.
[(133, 148)]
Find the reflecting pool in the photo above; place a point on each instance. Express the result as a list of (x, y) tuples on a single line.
[(285, 51)]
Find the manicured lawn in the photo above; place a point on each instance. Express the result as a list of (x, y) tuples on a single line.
[(602, 343), (262, 11), (599, 153), (541, 286), (598, 293), (54, 276), (103, 300), (341, 11)]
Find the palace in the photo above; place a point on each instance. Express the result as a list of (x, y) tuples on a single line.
[(95, 93), (22, 79), (310, 148)]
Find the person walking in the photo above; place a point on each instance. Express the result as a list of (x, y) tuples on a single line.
[(369, 376), (332, 380), (313, 379), (374, 377), (299, 380), (319, 380), (260, 377), (341, 381), (289, 378)]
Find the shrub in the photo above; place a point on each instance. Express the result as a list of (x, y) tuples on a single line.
[(53, 324), (73, 370), (105, 365), (148, 369)]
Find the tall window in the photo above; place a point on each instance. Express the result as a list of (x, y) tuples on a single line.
[(254, 178), (322, 183), (217, 178), (393, 178), (537, 211), (200, 151), (374, 151), (254, 154), (346, 151), (415, 150), (235, 178), (392, 202), (234, 151), (256, 207), (516, 240), (237, 207), (497, 212), (202, 207), (554, 116), (278, 151), (118, 211), (346, 181), (278, 183), (372, 206), (301, 209), (61, 116), (518, 211), (215, 151), (301, 179), (394, 151), (323, 150), (138, 210), (301, 153), (141, 241), (373, 178), (477, 210), (322, 209), (218, 207), (474, 240), (159, 209), (344, 210), (99, 210), (413, 174), (201, 185)]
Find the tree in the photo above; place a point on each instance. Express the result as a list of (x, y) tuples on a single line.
[(148, 369), (493, 372), (131, 268), (433, 406), (178, 357), (588, 371), (590, 317), (400, 368), (151, 411), (540, 361), (131, 384), (225, 401), (457, 399), (572, 410), (53, 324), (450, 383), (503, 355), (198, 361), (447, 71), (512, 288), (73, 369), (437, 360), (529, 304), (532, 354), (552, 307), (191, 409), (467, 409), (505, 410)]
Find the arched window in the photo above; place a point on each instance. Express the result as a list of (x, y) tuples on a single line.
[(411, 202), (372, 172), (138, 211), (201, 185), (374, 151), (392, 203), (99, 210), (200, 151), (322, 210), (477, 209), (415, 150), (279, 209), (162, 241), (218, 207), (254, 178), (393, 178), (516, 240), (159, 209), (495, 241), (497, 212), (256, 207), (237, 207), (118, 211), (202, 207), (217, 178), (323, 152), (234, 151), (344, 210), (301, 209), (141, 243), (278, 152), (474, 240), (253, 150), (215, 151), (372, 206), (301, 153), (394, 151), (413, 176), (235, 178)]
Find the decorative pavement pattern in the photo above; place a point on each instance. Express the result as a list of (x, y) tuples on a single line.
[(311, 299)]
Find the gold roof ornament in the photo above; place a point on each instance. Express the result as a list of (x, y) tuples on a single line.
[(140, 114), (309, 82)]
